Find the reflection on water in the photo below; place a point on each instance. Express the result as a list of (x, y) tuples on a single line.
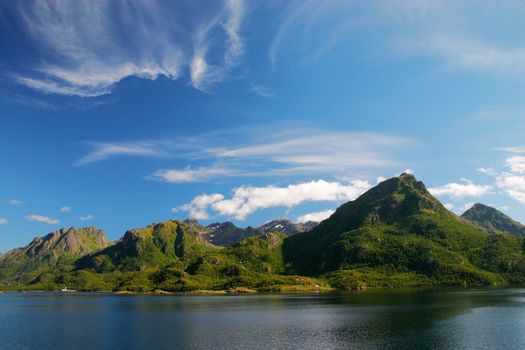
[(431, 319)]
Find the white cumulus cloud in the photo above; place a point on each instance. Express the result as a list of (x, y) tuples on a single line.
[(516, 164), (466, 188), (248, 199), (198, 207), (510, 181), (449, 206), (3, 221), (317, 216), (65, 209)]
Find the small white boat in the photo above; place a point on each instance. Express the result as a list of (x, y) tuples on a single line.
[(65, 290)]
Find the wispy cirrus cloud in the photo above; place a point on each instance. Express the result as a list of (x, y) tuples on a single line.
[(262, 90), (276, 150), (103, 151), (147, 39), (298, 31), (316, 151), (245, 200), (469, 53), (451, 32), (42, 218)]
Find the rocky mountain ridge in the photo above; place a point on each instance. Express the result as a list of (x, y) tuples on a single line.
[(227, 234)]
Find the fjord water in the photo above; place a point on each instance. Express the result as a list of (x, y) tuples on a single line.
[(429, 319)]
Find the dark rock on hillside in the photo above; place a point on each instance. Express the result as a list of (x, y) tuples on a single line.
[(227, 234), (286, 226)]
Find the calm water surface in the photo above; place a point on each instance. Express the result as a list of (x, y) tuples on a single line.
[(436, 319)]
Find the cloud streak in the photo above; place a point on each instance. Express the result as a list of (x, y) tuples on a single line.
[(86, 217), (277, 150), (103, 151), (43, 219), (192, 175)]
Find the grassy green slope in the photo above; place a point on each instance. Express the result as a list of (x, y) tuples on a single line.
[(153, 246), (399, 228)]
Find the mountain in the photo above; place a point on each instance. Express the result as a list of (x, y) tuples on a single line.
[(227, 234), (55, 250), (493, 220), (174, 256), (399, 228), (286, 226), (395, 234), (152, 246)]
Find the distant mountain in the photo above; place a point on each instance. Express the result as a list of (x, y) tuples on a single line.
[(493, 220), (398, 227), (55, 250), (227, 234), (286, 226)]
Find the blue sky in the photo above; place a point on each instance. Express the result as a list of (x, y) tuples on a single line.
[(118, 114)]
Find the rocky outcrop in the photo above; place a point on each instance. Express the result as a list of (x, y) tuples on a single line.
[(227, 234)]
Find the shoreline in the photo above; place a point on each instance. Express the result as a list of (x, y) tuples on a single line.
[(247, 291)]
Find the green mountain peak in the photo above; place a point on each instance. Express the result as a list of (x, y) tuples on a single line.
[(492, 220), (152, 246)]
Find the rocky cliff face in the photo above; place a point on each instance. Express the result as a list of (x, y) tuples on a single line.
[(55, 249), (67, 241)]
